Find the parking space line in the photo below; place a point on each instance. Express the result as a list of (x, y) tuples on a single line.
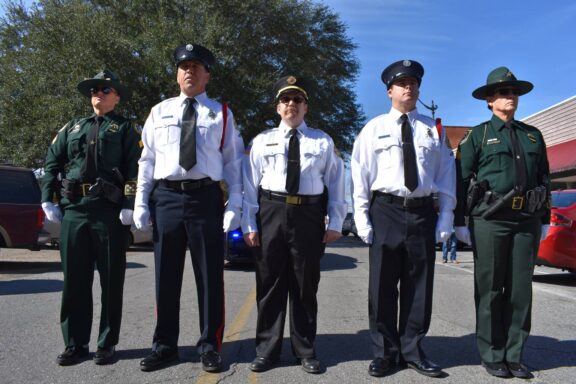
[(232, 334)]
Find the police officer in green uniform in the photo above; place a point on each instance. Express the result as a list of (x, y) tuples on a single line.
[(505, 175), (97, 159)]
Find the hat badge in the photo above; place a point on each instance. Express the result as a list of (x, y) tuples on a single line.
[(406, 63), (509, 74), (189, 47), (291, 80)]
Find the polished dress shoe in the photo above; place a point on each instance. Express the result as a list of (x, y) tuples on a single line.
[(496, 369), (379, 367), (261, 364), (311, 365), (72, 355), (425, 367), (104, 356), (156, 360), (211, 361), (519, 370)]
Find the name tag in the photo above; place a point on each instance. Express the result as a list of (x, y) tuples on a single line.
[(493, 141)]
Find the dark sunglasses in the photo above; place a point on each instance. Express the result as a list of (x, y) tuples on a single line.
[(104, 90), (508, 91), (288, 99)]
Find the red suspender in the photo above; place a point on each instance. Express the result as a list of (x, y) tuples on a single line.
[(439, 127), (225, 118)]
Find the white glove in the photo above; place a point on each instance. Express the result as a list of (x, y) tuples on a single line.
[(52, 212), (463, 234), (444, 226), (126, 216), (231, 220), (366, 234), (141, 217), (545, 229)]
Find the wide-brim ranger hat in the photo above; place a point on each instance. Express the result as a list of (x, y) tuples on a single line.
[(400, 69), (291, 83), (105, 78), (194, 52), (498, 78)]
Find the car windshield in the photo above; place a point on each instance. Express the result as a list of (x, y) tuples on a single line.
[(563, 199)]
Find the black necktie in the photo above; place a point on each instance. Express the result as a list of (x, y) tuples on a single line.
[(90, 165), (410, 167), (293, 169), (188, 135), (519, 161)]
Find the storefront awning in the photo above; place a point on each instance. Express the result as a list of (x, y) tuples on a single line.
[(562, 157)]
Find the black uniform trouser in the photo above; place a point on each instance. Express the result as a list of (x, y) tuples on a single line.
[(289, 265), (92, 235), (504, 257), (190, 219), (402, 252)]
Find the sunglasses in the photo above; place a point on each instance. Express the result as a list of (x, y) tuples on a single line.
[(508, 91), (104, 90), (288, 99)]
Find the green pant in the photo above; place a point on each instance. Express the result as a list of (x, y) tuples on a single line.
[(504, 256), (92, 235)]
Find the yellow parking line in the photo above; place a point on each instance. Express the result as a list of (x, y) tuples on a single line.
[(233, 334)]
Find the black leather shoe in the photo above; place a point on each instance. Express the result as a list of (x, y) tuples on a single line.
[(261, 364), (156, 360), (519, 370), (104, 356), (496, 369), (425, 367), (72, 355), (379, 367), (311, 365), (211, 361)]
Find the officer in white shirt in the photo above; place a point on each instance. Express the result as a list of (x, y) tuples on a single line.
[(292, 179), (398, 162), (190, 144)]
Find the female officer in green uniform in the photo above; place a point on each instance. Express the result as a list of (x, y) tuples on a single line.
[(506, 162), (99, 155)]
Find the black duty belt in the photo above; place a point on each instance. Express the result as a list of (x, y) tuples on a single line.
[(291, 199), (516, 203), (186, 185), (406, 202)]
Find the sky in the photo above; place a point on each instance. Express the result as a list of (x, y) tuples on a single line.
[(459, 42)]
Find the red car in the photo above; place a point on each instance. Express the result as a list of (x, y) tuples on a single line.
[(559, 248)]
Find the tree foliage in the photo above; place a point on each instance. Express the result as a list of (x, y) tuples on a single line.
[(46, 49)]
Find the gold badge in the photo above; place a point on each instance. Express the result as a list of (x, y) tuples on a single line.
[(291, 80), (113, 128), (509, 74)]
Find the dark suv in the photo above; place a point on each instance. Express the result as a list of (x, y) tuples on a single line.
[(21, 216)]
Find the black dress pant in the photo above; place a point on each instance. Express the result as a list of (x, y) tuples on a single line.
[(288, 266), (401, 267), (190, 219)]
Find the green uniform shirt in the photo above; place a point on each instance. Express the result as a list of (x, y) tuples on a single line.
[(119, 147), (486, 152)]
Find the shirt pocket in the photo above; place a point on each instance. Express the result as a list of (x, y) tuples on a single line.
[(111, 148), (76, 145), (499, 156), (427, 151), (274, 158), (208, 133), (388, 152), (167, 132), (313, 157)]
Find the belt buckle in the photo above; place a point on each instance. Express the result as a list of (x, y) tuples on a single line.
[(517, 202), (85, 188), (294, 200), (183, 185)]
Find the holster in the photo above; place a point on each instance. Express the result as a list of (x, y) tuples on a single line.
[(107, 190), (476, 192)]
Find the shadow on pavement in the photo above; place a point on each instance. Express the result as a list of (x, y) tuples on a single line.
[(566, 279), (27, 286)]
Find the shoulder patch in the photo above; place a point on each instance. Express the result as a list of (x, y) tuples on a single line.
[(137, 128)]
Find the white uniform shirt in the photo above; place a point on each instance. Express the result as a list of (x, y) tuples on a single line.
[(320, 166), (161, 150), (378, 164)]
